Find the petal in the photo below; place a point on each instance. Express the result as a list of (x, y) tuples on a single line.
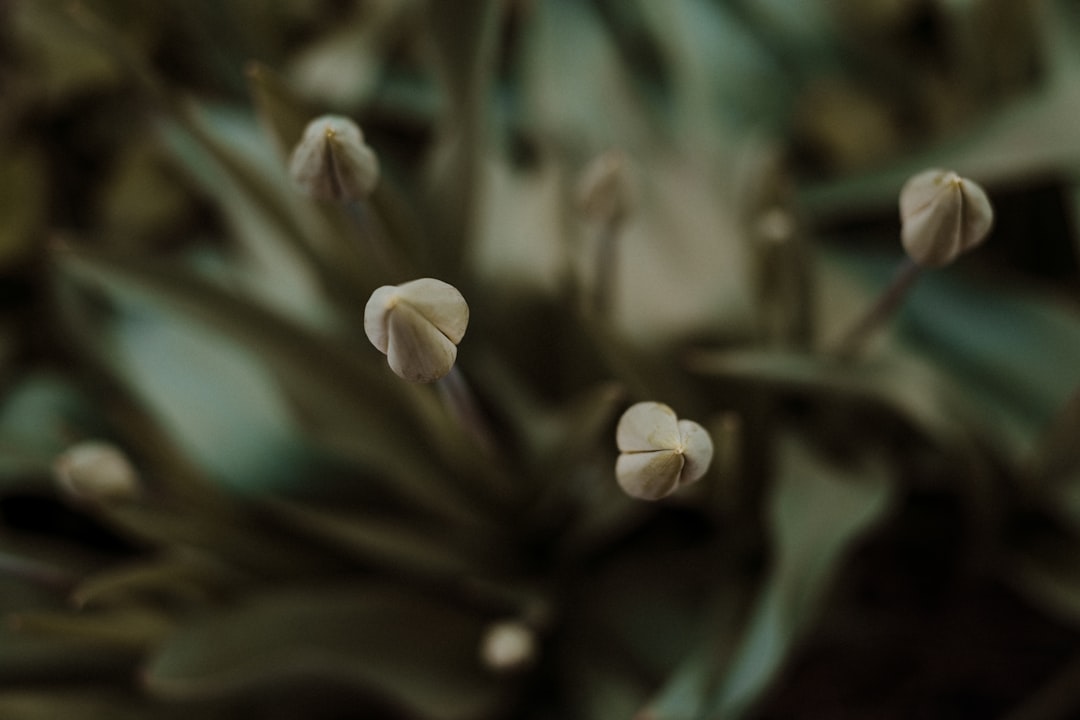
[(355, 169), (439, 302), (943, 215), (649, 475), (697, 451), (921, 189), (417, 350), (332, 161), (647, 426), (978, 214), (930, 213), (376, 316)]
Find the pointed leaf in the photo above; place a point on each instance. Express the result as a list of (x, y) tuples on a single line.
[(412, 651)]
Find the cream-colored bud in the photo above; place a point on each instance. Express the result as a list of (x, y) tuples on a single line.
[(332, 161), (508, 645), (96, 471), (418, 326), (659, 452), (602, 193), (942, 215)]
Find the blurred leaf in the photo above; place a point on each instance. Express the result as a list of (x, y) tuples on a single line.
[(39, 418), (723, 73), (140, 201), (346, 393), (1014, 354), (65, 61), (394, 545), (184, 577), (299, 254), (233, 538), (464, 35), (79, 704), (282, 115), (417, 653), (1056, 457), (26, 660), (23, 183), (558, 101), (1030, 136), (128, 628), (817, 511), (342, 68), (904, 386)]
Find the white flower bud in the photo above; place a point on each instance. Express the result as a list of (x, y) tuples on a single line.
[(507, 646), (602, 193), (659, 452), (942, 215), (418, 326), (93, 471), (332, 161)]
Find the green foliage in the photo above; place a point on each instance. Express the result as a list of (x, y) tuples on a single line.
[(315, 537)]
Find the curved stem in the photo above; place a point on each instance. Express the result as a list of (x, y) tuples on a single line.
[(460, 400), (887, 303)]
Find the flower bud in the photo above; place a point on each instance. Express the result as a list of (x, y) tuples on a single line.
[(659, 452), (93, 471), (602, 192), (942, 215), (508, 645), (332, 161), (418, 326)]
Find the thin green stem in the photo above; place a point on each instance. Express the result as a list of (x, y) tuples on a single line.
[(462, 404), (375, 240), (887, 303)]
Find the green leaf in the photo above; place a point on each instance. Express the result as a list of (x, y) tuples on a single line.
[(129, 628), (282, 114), (185, 577), (1045, 568), (396, 545), (299, 249), (22, 202), (76, 705), (409, 650), (903, 385), (817, 511), (355, 406), (465, 39), (28, 659)]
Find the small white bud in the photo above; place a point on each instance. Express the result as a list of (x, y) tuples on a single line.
[(942, 215), (95, 471), (602, 192), (659, 452), (418, 326), (332, 161), (508, 645)]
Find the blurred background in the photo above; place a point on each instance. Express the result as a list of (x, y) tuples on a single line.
[(282, 528)]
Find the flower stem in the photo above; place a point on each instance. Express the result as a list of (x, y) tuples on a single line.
[(603, 294), (462, 404), (373, 237), (887, 303), (35, 572)]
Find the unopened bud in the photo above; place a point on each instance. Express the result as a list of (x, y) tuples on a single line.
[(96, 471), (332, 161), (942, 215), (507, 646), (602, 193), (659, 452), (418, 326)]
